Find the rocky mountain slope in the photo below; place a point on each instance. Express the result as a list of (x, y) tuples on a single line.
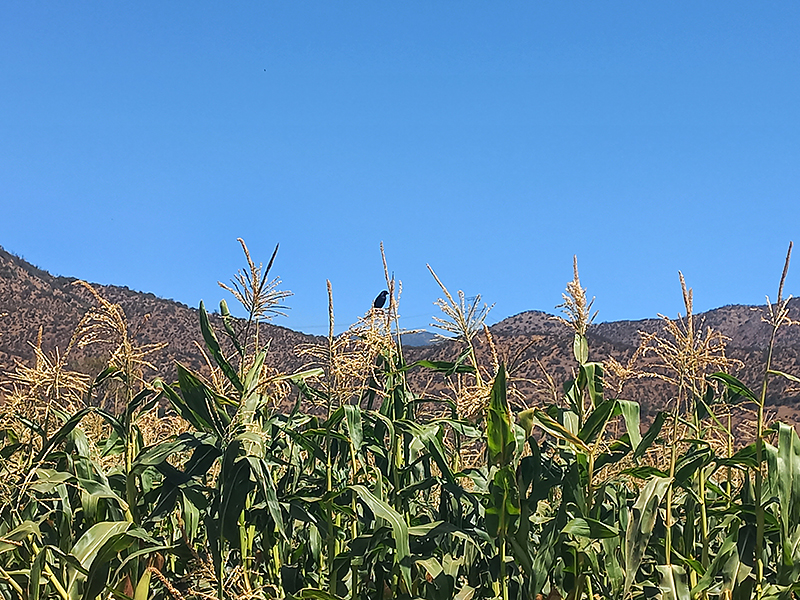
[(534, 344), (31, 298), (742, 324), (537, 344)]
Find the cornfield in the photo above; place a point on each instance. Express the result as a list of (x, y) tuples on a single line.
[(341, 481)]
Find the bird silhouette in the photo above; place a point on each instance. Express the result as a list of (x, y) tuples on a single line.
[(380, 300)]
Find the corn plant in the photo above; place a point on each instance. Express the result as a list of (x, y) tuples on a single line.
[(343, 482)]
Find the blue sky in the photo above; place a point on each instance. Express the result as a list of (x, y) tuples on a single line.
[(492, 140)]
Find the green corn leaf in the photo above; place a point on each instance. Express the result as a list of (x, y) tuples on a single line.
[(87, 547), (734, 385), (784, 477), (545, 552), (674, 584), (500, 437), (33, 426), (62, 434), (355, 428), (263, 475), (580, 348), (157, 454), (301, 375), (650, 436), (144, 397), (616, 575), (521, 548), (447, 368), (592, 373), (399, 529), (557, 430), (617, 450), (197, 403), (788, 376), (212, 344), (99, 488), (315, 594), (690, 562), (116, 425), (142, 591), (199, 420), (429, 436), (689, 464), (732, 561), (225, 313), (35, 574), (310, 393), (431, 565), (746, 457), (466, 593), (253, 375), (8, 451), (460, 427), (596, 421), (236, 486), (110, 372), (573, 393), (97, 579), (703, 408), (441, 366), (441, 528), (503, 510), (590, 528), (640, 526), (18, 534), (48, 480), (631, 413), (136, 554), (527, 420)]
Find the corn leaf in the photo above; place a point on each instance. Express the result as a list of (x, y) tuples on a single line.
[(784, 477), (580, 348), (556, 429), (674, 584), (593, 373), (631, 413), (590, 528), (86, 548), (650, 436), (355, 429), (19, 533), (500, 437), (503, 510), (596, 420), (399, 529), (213, 346), (734, 385), (641, 524)]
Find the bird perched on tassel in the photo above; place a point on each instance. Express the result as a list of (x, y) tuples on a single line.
[(380, 300)]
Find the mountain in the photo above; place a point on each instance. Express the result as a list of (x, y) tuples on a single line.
[(418, 338), (31, 298), (742, 324), (533, 344)]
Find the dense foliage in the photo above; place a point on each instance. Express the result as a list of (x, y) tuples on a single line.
[(214, 487)]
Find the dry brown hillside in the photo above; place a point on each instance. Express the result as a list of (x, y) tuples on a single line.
[(531, 343), (535, 344), (31, 298)]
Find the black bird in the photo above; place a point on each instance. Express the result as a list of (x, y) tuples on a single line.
[(380, 300)]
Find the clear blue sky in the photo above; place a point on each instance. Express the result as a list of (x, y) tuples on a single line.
[(493, 140)]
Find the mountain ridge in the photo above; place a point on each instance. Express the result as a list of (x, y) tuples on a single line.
[(741, 323), (31, 298)]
